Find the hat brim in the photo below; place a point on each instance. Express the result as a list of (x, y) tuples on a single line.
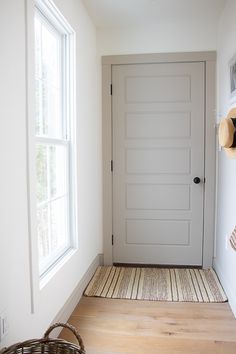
[(232, 113), (231, 152)]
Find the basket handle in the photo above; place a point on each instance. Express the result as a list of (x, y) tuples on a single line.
[(68, 326)]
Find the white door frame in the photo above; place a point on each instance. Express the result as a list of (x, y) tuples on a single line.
[(209, 59)]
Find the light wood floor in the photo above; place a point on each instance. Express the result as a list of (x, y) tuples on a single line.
[(110, 326)]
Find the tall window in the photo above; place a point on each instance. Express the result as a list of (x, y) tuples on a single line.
[(54, 138)]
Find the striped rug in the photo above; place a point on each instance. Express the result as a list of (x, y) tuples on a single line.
[(160, 284), (233, 239)]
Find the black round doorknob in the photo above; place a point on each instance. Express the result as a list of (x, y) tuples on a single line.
[(196, 180)]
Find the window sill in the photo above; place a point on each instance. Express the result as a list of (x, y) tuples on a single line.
[(47, 276)]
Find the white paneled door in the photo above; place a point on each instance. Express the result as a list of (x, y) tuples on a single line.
[(158, 150)]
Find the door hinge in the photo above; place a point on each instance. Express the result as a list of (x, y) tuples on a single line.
[(111, 89), (112, 240), (111, 165)]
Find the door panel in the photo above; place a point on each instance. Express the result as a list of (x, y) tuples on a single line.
[(170, 160), (158, 196), (158, 148), (162, 88), (158, 125), (157, 232)]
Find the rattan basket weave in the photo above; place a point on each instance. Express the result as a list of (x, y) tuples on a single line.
[(48, 345)]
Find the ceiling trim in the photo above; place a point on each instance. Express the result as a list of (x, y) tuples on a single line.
[(159, 57)]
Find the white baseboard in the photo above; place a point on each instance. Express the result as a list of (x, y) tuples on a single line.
[(73, 300), (227, 287)]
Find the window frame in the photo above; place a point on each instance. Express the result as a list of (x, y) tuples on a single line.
[(56, 21)]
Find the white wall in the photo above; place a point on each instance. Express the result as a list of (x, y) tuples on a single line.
[(225, 261), (164, 37), (15, 294)]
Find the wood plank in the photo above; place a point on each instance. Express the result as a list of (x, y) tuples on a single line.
[(110, 326)]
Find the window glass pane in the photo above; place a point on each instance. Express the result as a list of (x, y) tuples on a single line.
[(43, 232), (51, 56), (58, 170), (42, 172), (52, 231), (59, 237), (51, 111), (48, 71), (51, 170), (38, 111), (52, 200), (38, 48)]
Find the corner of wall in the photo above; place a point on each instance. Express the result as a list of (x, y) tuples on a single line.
[(226, 286), (76, 295)]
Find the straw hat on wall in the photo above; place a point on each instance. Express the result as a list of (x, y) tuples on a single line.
[(227, 133)]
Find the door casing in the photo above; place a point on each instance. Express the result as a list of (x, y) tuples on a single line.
[(209, 60)]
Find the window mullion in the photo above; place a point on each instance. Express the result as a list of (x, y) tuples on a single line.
[(51, 141), (42, 204)]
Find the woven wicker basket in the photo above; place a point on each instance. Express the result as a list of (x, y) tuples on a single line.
[(48, 345)]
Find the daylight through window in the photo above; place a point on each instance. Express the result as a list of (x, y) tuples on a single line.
[(54, 142)]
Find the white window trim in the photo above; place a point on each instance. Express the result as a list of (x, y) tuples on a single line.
[(36, 282)]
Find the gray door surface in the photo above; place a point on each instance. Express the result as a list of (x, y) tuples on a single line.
[(158, 149)]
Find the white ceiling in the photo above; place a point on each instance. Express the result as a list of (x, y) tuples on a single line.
[(126, 13)]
